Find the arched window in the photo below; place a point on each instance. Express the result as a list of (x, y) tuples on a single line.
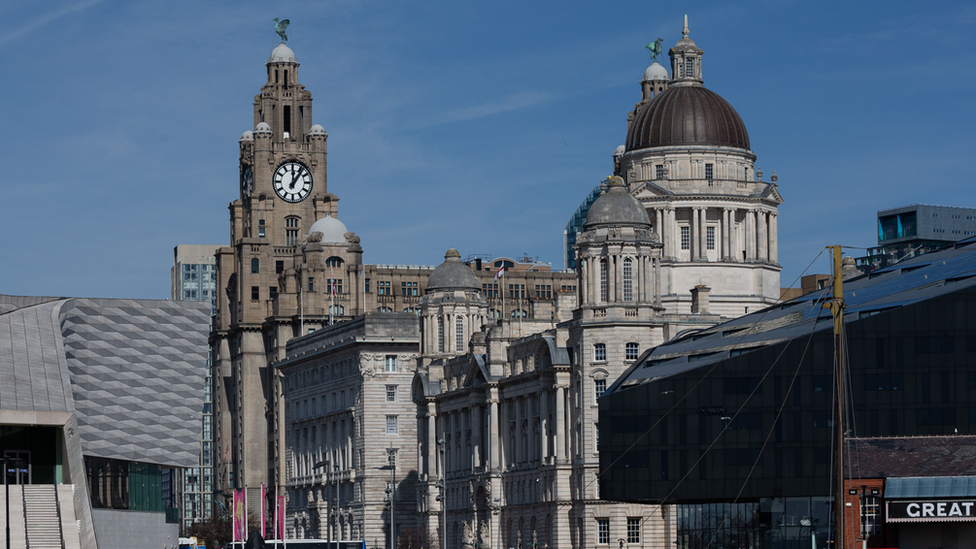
[(333, 262), (337, 310), (494, 313), (519, 313), (459, 334), (628, 279), (255, 265), (604, 276), (440, 334)]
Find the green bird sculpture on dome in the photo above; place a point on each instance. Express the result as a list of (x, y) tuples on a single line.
[(280, 27), (655, 48)]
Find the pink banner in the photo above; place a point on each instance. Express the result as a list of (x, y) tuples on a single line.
[(281, 517), (264, 512), (240, 524)]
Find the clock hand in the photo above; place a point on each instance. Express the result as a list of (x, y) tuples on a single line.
[(294, 179)]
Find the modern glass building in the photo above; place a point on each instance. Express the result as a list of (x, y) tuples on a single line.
[(194, 279), (733, 424), (575, 226), (909, 231)]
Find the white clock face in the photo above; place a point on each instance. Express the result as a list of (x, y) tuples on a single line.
[(292, 182)]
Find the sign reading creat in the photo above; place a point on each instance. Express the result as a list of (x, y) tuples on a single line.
[(932, 511)]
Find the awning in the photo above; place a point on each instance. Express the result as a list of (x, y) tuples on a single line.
[(930, 487)]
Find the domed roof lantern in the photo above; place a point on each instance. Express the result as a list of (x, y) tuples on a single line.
[(452, 274), (616, 206), (685, 56)]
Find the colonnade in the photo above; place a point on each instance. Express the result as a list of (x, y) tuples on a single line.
[(439, 329), (759, 240), (637, 286), (496, 434)]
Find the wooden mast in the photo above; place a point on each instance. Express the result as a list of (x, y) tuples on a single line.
[(836, 307)]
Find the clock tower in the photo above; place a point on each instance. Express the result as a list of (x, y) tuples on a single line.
[(265, 289)]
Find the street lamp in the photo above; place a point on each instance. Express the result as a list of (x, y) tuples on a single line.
[(324, 464), (391, 493), (442, 484)]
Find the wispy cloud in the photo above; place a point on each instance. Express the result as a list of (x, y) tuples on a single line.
[(47, 18), (513, 102)]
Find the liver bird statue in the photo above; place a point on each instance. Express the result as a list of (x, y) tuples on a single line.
[(280, 27), (654, 47)]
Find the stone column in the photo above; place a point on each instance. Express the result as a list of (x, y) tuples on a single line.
[(673, 231), (560, 424), (431, 457), (544, 426), (594, 280), (725, 234), (694, 234), (611, 277), (658, 223), (494, 437), (657, 281), (478, 447), (750, 235), (703, 234), (761, 234), (773, 238)]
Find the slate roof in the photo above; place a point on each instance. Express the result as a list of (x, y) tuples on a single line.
[(923, 456), (133, 371)]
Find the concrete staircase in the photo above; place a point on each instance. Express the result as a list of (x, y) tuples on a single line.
[(43, 524), (18, 535)]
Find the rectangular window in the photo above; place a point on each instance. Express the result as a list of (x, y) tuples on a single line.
[(600, 386), (334, 286), (366, 285), (311, 284), (383, 288), (391, 393), (391, 457), (633, 530), (391, 363), (689, 68), (261, 232), (408, 288), (710, 238), (516, 291), (709, 171), (392, 427), (255, 265), (279, 267), (603, 530), (600, 352), (685, 238), (633, 351), (870, 522), (255, 293), (659, 171), (291, 237)]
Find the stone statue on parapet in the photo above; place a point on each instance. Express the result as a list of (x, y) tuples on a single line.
[(280, 27), (654, 47)]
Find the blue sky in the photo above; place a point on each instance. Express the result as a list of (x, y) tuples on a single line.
[(475, 125)]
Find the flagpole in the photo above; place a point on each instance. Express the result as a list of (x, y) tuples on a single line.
[(332, 290), (301, 302), (362, 279)]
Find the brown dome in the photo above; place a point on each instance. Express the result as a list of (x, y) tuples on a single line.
[(687, 115)]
